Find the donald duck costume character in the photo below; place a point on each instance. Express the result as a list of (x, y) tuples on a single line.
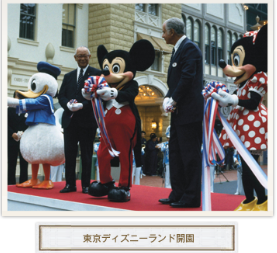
[(42, 142)]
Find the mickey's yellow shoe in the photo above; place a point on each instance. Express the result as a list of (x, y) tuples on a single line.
[(260, 207), (247, 207)]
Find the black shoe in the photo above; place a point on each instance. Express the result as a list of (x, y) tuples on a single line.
[(85, 190), (181, 204), (119, 194), (166, 201), (97, 189), (68, 188)]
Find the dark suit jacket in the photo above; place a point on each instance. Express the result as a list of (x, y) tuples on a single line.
[(185, 82), (15, 123), (68, 91)]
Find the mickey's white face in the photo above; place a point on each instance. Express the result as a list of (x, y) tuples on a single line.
[(117, 77), (40, 83)]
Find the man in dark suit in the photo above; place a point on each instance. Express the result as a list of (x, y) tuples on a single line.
[(78, 121), (16, 125), (185, 102)]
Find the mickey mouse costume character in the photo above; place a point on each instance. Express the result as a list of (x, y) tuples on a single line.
[(248, 117), (42, 142), (121, 116)]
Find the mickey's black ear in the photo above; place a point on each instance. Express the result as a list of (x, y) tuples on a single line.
[(142, 54), (101, 52)]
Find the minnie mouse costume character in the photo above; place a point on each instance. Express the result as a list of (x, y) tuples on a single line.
[(248, 117), (121, 116)]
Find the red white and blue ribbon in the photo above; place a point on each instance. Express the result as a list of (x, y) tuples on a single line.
[(212, 145), (92, 84)]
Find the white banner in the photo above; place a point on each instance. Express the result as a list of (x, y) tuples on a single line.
[(198, 238)]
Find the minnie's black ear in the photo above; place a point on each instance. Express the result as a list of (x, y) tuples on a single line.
[(101, 52), (261, 49), (142, 54)]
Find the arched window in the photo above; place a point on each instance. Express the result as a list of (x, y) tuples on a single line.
[(213, 45), (229, 45), (220, 44), (189, 28), (234, 38), (220, 50), (207, 44), (196, 35)]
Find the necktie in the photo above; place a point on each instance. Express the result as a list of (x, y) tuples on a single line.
[(173, 51), (80, 79)]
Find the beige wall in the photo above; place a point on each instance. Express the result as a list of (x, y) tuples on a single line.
[(112, 26)]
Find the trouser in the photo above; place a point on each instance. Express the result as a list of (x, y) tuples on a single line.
[(121, 129), (13, 153), (85, 136), (185, 161)]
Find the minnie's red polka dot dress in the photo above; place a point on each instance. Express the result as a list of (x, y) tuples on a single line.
[(250, 125)]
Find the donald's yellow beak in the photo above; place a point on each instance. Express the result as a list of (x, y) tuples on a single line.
[(31, 94)]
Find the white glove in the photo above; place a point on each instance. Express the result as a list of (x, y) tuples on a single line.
[(107, 93), (169, 104), (13, 102), (225, 99), (74, 106), (165, 102), (87, 95), (19, 134)]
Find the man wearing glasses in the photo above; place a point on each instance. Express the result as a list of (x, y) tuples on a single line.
[(78, 120)]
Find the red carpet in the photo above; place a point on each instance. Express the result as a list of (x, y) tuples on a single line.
[(143, 198)]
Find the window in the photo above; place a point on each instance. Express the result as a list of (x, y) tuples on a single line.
[(68, 25), (234, 38), (213, 45), (140, 7), (148, 14), (196, 35), (27, 21), (153, 9), (229, 45), (156, 65), (220, 44), (220, 51), (207, 44), (189, 28)]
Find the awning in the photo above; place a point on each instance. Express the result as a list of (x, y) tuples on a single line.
[(163, 45), (157, 43), (147, 37)]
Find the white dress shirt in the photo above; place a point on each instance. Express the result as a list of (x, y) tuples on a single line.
[(178, 43), (79, 69)]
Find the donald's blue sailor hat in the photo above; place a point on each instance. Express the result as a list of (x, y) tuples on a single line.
[(47, 68)]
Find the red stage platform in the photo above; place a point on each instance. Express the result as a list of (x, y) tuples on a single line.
[(143, 198)]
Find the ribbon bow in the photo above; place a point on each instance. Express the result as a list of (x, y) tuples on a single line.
[(92, 84), (212, 145)]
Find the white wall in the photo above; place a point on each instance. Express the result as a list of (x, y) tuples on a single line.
[(48, 30), (236, 14), (216, 10)]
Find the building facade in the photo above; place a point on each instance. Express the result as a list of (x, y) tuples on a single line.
[(52, 32)]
